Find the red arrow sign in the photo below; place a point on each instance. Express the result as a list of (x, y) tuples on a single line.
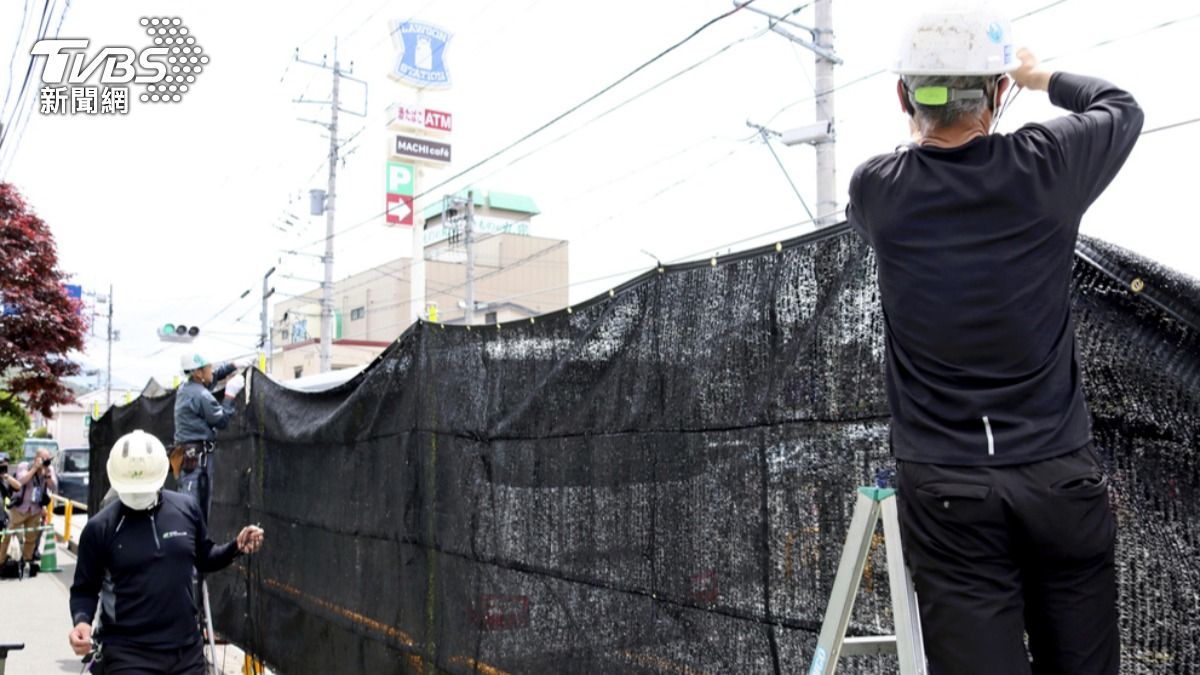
[(399, 210)]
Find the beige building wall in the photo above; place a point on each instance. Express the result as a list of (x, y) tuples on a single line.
[(303, 359), (509, 269), (518, 275)]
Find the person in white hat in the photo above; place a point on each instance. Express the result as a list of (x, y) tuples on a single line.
[(1004, 504), (198, 417), (135, 564)]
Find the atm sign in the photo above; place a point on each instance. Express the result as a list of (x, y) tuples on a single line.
[(424, 118)]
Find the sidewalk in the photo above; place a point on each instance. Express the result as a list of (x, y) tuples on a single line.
[(36, 611)]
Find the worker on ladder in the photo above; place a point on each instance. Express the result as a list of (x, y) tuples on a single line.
[(1003, 502), (198, 417)]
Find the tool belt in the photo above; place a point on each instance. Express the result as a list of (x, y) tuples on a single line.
[(186, 456)]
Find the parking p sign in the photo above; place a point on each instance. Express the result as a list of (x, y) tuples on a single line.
[(400, 177)]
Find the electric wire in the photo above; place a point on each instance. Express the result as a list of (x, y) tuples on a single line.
[(569, 111), (13, 59), (1127, 36), (1173, 125), (1004, 106), (867, 76), (589, 99), (29, 109), (381, 270), (7, 150), (624, 103), (43, 24)]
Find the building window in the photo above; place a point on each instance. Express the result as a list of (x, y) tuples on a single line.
[(358, 313), (298, 371), (490, 318)]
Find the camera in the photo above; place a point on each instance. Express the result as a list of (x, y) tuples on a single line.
[(46, 462)]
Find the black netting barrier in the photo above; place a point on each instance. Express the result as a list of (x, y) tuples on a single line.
[(155, 415), (660, 480)]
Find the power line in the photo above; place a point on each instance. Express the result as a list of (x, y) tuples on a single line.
[(625, 102), (29, 110), (1173, 125), (555, 119), (1127, 36), (13, 59), (876, 73), (589, 99), (381, 271), (15, 120)]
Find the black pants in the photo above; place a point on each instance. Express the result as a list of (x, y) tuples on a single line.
[(998, 553), (131, 660)]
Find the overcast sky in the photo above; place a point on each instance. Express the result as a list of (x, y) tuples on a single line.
[(179, 205)]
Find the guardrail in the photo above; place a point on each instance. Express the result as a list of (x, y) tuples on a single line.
[(69, 508)]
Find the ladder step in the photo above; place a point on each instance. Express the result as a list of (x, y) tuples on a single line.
[(872, 645)]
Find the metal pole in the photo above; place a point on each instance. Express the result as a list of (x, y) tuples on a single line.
[(469, 237), (108, 377), (266, 329), (826, 159), (416, 277), (327, 287)]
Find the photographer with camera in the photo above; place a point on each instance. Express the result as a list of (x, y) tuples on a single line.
[(8, 487), (35, 480)]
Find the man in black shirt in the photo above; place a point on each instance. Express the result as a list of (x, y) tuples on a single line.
[(1004, 506), (135, 563)]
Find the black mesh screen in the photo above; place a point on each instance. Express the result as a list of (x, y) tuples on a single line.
[(658, 481)]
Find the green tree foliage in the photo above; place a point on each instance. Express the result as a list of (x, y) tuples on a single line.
[(14, 424)]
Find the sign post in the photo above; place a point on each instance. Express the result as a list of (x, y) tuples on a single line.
[(420, 62)]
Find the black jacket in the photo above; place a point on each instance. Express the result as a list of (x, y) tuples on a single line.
[(138, 566), (974, 246)]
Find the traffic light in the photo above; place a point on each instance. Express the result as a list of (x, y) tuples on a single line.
[(177, 332)]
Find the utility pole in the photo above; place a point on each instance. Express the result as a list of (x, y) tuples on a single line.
[(469, 239), (108, 377), (826, 157), (266, 328), (330, 195), (330, 199), (819, 134)]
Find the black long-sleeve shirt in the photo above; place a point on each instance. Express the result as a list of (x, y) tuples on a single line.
[(198, 414), (137, 565), (974, 247)]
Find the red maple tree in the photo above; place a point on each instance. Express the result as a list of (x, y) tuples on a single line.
[(40, 323)]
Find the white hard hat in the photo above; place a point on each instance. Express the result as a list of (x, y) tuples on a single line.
[(138, 463), (192, 361), (958, 38)]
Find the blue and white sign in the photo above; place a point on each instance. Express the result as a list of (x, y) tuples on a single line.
[(421, 60)]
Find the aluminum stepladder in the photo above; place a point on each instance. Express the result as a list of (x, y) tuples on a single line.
[(202, 491), (906, 643)]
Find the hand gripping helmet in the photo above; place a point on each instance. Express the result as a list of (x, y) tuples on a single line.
[(137, 464), (192, 361), (958, 38)]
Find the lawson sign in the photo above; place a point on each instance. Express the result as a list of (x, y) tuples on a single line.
[(421, 54)]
